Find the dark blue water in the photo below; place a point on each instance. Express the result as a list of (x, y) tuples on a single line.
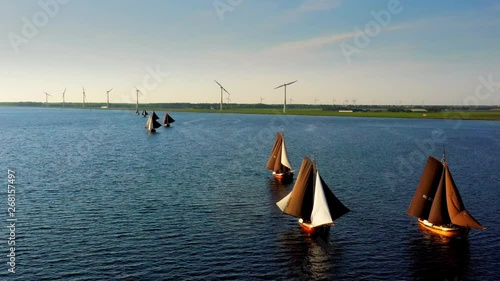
[(98, 198)]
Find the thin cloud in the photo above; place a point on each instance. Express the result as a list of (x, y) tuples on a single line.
[(325, 41)]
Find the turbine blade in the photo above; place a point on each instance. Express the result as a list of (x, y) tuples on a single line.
[(280, 86), (219, 84), (291, 82)]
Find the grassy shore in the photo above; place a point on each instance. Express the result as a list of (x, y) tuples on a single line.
[(463, 115), (467, 114)]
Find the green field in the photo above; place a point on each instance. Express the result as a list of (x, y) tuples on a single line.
[(464, 115)]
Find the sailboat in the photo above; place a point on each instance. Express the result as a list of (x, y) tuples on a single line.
[(312, 201), (278, 161), (137, 112), (152, 124), (167, 120), (144, 113), (437, 203)]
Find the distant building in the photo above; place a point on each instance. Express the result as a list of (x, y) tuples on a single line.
[(418, 110), (345, 111)]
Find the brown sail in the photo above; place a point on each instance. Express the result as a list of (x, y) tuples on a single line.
[(274, 153), (422, 200), (302, 196), (278, 161), (456, 208), (337, 209), (439, 212)]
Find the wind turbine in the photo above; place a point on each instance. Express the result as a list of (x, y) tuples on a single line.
[(107, 93), (333, 101), (284, 100), (222, 90), (137, 92), (354, 101), (63, 96), (290, 100), (346, 102), (261, 99), (84, 96), (315, 100), (47, 95)]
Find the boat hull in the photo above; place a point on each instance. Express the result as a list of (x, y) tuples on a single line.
[(283, 177), (319, 230), (456, 231), (166, 125)]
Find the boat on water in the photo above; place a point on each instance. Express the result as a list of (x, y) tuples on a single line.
[(144, 113), (312, 201), (137, 112), (437, 203), (278, 161), (167, 120), (152, 124)]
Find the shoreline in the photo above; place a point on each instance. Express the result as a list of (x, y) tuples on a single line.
[(489, 115)]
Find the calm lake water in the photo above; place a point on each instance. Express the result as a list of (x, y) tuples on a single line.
[(98, 198)]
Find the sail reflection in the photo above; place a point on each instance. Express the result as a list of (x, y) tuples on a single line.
[(436, 257), (311, 257)]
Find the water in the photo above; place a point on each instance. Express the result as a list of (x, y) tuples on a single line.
[(98, 198)]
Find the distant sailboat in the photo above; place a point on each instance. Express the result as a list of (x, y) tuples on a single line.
[(312, 201), (152, 124), (167, 120), (137, 112), (278, 161), (144, 113), (437, 203)]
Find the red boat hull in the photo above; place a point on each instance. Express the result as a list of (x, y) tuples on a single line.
[(307, 228), (284, 177), (456, 231)]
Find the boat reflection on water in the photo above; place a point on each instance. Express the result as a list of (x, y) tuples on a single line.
[(436, 257), (311, 257)]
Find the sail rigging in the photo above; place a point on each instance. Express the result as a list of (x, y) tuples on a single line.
[(437, 199), (167, 119), (311, 199), (278, 160), (152, 124)]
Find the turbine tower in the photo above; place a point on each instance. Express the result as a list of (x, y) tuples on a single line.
[(107, 93), (284, 99), (261, 99), (47, 95), (222, 90), (84, 96), (63, 96), (333, 101), (137, 92)]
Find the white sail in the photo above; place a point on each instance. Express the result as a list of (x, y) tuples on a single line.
[(283, 203), (320, 214), (284, 156), (149, 123)]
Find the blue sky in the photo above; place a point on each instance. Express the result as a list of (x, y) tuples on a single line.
[(426, 53)]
